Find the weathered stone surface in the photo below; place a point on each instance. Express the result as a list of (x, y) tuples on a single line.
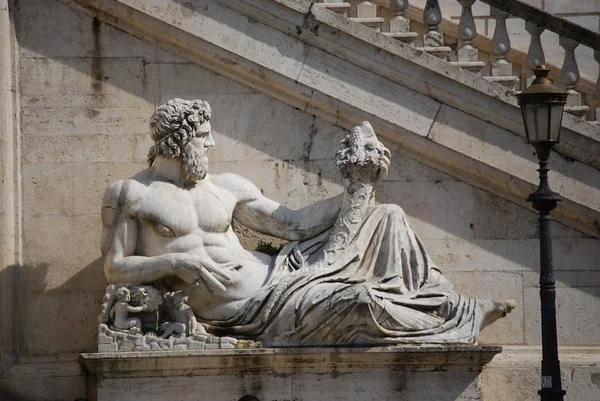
[(509, 330), (187, 80), (70, 309), (301, 374), (371, 93), (576, 315), (516, 371), (438, 209), (55, 75)]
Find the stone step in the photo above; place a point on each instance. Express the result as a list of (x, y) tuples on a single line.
[(374, 23), (577, 111), (338, 7), (508, 81), (404, 37), (473, 66), (440, 52)]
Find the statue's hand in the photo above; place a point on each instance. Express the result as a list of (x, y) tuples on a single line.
[(192, 269), (384, 166)]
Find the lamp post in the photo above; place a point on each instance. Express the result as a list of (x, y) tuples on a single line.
[(542, 108)]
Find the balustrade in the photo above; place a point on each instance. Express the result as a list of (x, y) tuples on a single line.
[(501, 54)]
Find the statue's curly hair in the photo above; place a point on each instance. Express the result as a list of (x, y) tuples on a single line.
[(173, 125)]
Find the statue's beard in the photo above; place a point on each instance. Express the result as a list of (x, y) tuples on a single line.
[(194, 165)]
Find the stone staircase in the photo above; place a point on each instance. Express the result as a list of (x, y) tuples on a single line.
[(346, 63)]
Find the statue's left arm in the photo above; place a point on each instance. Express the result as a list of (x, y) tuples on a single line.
[(262, 214)]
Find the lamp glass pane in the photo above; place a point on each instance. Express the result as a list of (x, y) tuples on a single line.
[(536, 118), (556, 114)]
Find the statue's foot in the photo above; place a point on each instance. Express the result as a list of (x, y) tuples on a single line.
[(494, 310)]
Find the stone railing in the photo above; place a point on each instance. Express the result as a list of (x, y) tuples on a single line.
[(460, 44)]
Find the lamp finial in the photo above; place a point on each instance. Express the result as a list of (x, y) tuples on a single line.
[(541, 75)]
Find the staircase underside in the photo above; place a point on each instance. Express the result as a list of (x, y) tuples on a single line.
[(422, 107)]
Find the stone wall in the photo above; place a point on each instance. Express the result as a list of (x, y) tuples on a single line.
[(86, 91)]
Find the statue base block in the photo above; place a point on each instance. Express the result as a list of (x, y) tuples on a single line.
[(440, 373)]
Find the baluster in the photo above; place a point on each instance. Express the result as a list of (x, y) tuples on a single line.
[(366, 14), (466, 33), (501, 69), (399, 25), (570, 71), (432, 15), (501, 43), (570, 77), (535, 55), (433, 40), (466, 54), (597, 92)]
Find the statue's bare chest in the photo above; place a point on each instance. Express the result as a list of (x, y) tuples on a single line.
[(174, 211)]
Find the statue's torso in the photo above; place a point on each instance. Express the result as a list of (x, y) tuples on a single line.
[(172, 219)]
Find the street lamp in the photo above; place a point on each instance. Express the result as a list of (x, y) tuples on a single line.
[(542, 108)]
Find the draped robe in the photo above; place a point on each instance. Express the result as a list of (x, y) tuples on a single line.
[(383, 289)]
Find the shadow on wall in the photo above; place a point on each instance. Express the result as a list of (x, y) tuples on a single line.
[(55, 312)]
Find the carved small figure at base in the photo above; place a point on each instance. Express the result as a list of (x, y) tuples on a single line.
[(185, 323), (120, 312)]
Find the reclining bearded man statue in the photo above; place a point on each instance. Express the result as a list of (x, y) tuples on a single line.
[(353, 272)]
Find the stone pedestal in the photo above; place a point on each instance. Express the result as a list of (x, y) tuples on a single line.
[(434, 373)]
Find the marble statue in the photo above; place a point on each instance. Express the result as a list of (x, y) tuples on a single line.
[(353, 271), (183, 322), (121, 309)]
